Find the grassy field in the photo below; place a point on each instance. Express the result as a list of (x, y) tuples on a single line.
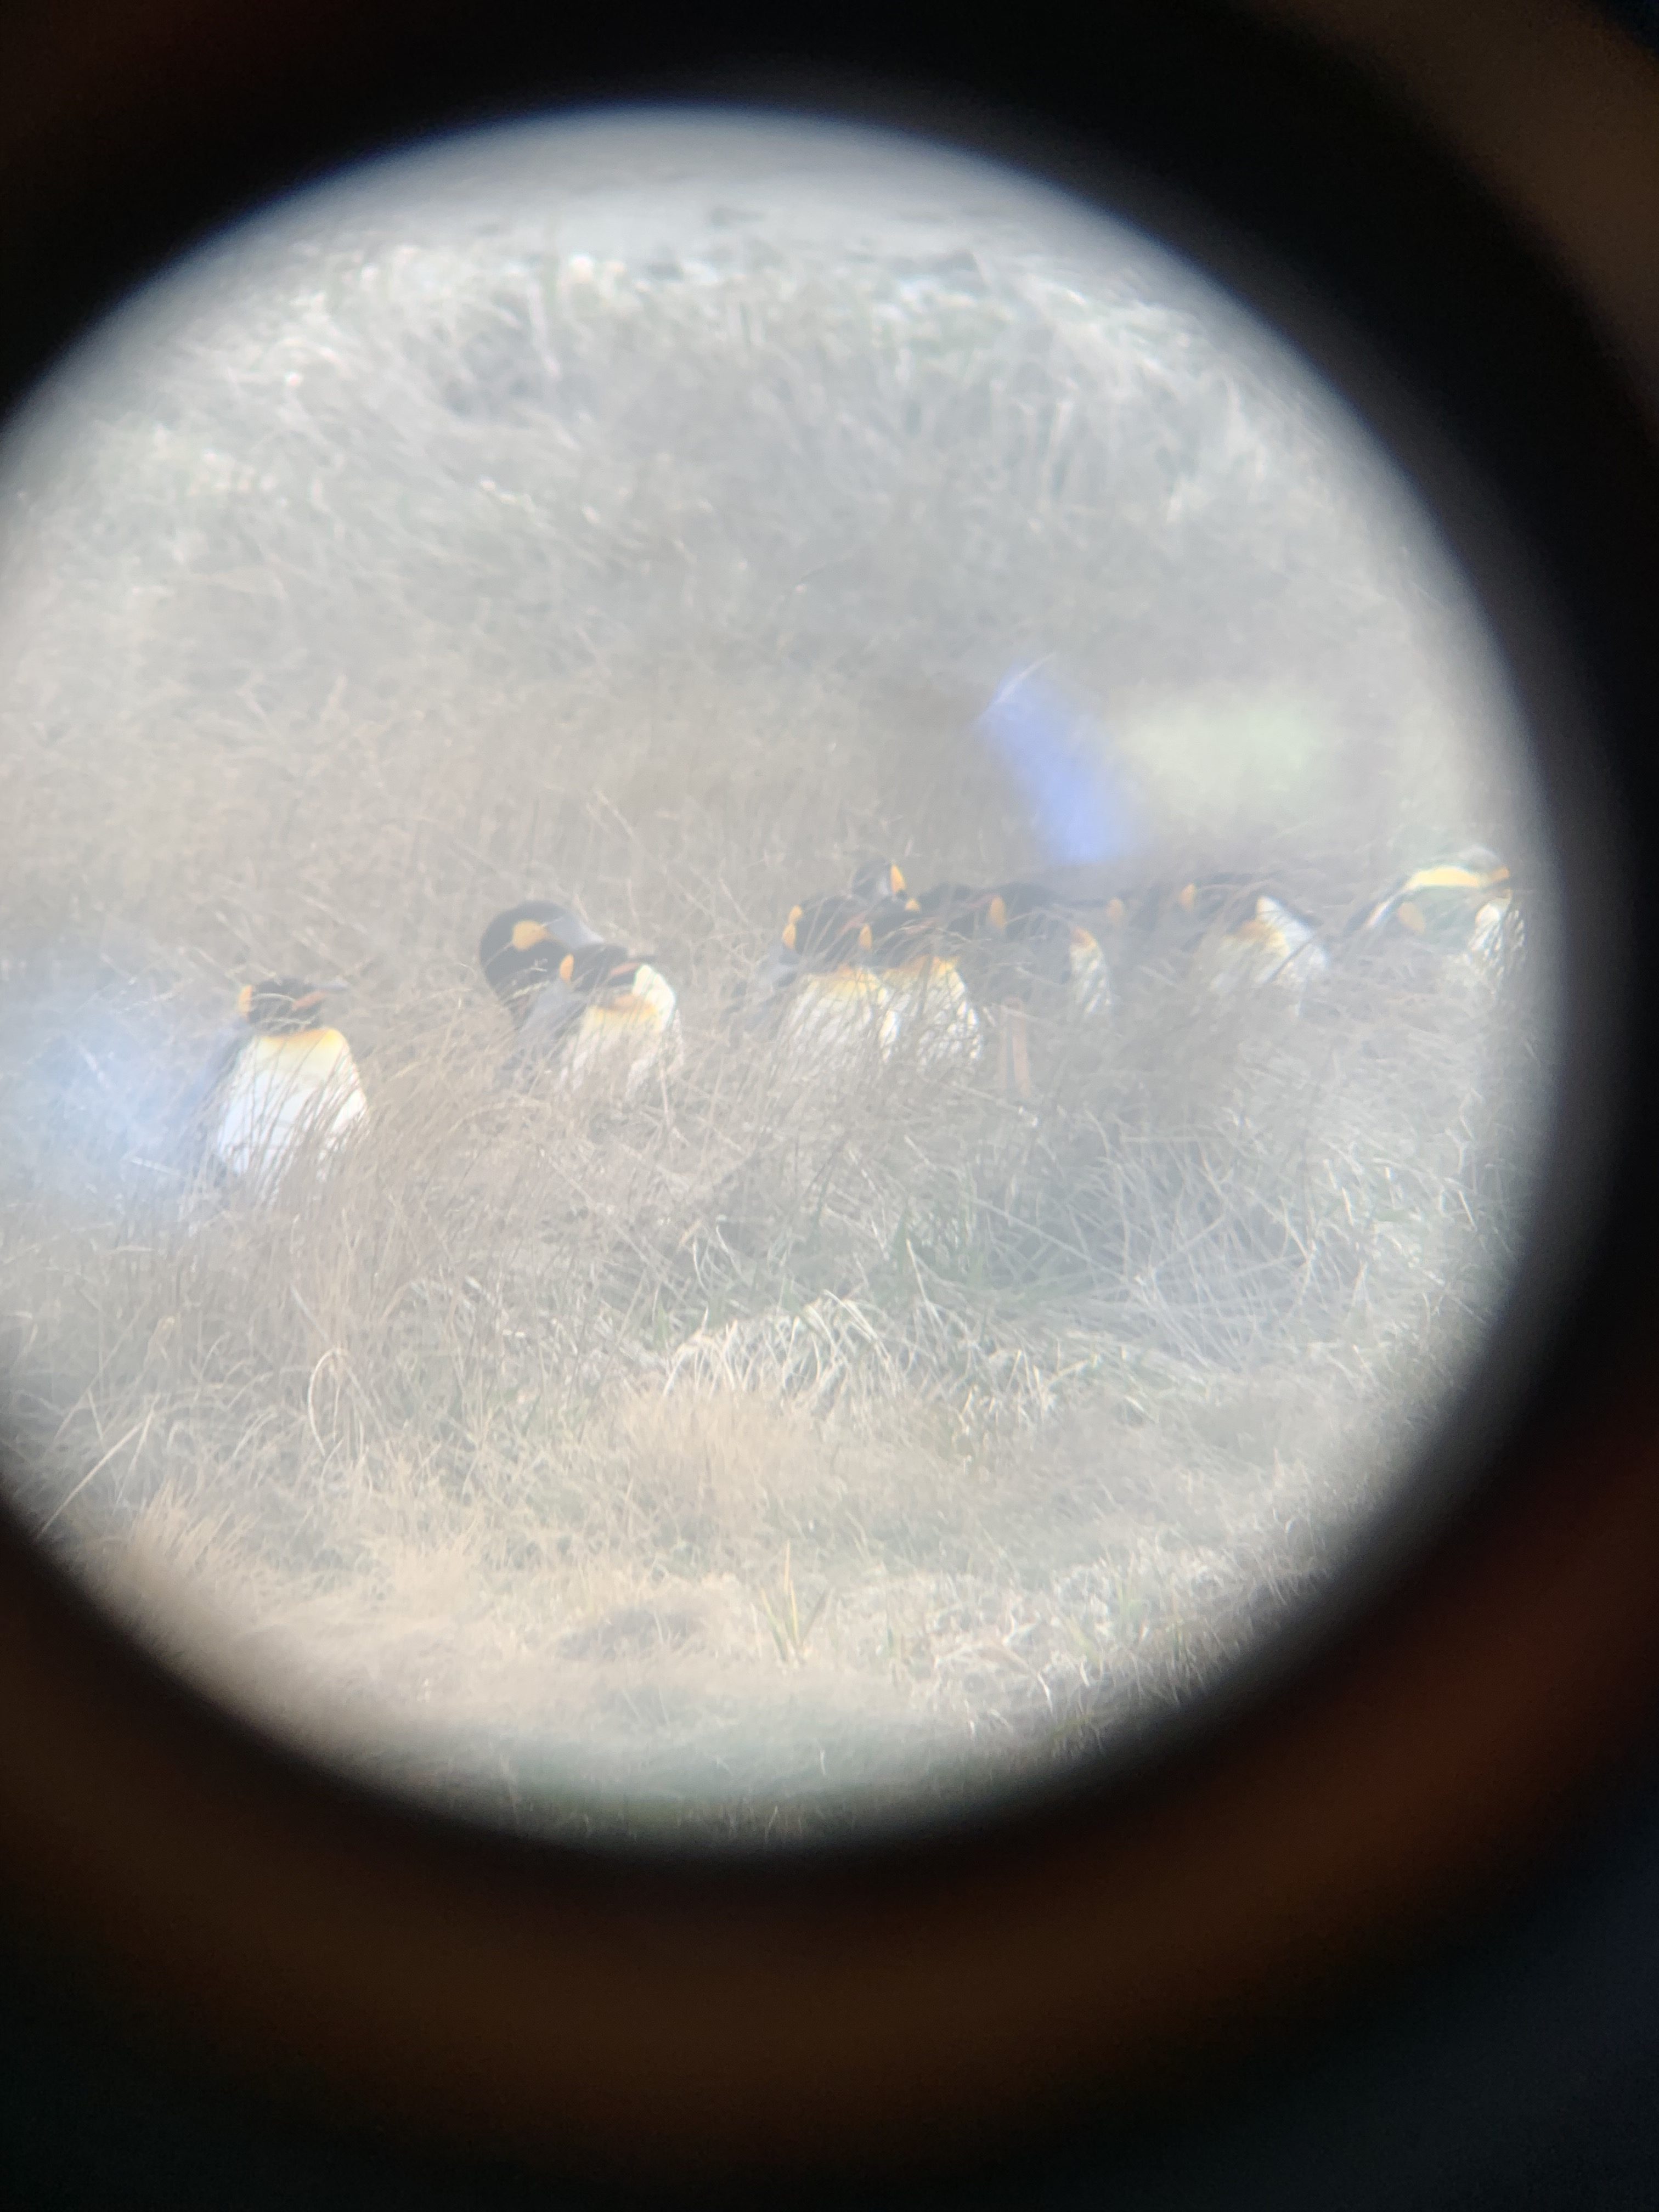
[(774, 1440)]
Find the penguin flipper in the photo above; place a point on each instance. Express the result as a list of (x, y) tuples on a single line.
[(557, 1010), (193, 1115)]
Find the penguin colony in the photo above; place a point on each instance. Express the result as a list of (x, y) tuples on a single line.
[(873, 975)]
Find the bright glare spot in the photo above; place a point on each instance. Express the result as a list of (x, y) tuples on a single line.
[(1004, 1098)]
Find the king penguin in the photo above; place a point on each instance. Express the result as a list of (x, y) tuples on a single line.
[(284, 1083), (587, 1009)]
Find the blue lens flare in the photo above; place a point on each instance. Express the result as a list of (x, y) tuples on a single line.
[(1080, 801)]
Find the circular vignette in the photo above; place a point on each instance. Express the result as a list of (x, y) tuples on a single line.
[(902, 2002)]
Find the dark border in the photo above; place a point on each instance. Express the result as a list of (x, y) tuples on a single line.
[(1471, 359)]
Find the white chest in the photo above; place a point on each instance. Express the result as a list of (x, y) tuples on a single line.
[(626, 1041), (837, 1019), (930, 1016), (285, 1094)]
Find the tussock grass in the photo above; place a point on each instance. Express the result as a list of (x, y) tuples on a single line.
[(787, 1433), (533, 1420)]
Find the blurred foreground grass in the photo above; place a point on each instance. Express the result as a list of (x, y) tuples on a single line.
[(894, 1416)]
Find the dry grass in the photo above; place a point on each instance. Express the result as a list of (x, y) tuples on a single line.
[(776, 1435)]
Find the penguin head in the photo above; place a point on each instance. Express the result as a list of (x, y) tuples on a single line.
[(962, 911), (521, 949), (282, 1005), (879, 879), (599, 971)]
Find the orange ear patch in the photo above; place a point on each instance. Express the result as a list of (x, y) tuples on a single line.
[(568, 967), (526, 934), (1411, 917), (897, 880), (866, 939), (789, 929), (245, 1001), (1185, 896), (996, 912)]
